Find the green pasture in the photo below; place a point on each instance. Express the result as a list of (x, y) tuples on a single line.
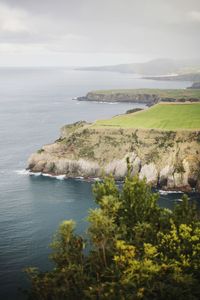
[(160, 116)]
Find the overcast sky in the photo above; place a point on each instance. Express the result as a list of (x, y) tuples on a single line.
[(97, 32)]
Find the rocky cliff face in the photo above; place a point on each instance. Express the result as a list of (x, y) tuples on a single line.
[(169, 160), (149, 99)]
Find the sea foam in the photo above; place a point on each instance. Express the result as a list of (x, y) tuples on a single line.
[(28, 172), (163, 192)]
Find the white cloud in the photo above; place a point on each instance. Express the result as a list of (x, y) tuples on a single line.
[(19, 48), (12, 19)]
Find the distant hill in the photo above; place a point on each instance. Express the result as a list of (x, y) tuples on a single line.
[(154, 67), (195, 77)]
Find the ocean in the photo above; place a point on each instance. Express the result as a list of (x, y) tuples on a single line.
[(34, 104)]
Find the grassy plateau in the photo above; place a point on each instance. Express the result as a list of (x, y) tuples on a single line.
[(163, 93), (160, 116)]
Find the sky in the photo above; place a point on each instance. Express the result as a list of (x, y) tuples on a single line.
[(97, 32)]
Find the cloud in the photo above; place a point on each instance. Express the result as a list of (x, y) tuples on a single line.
[(194, 16), (156, 28), (12, 19)]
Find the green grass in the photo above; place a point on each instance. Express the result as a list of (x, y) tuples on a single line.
[(163, 93), (160, 116)]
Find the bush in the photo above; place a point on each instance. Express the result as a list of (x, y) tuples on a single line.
[(133, 110), (40, 151)]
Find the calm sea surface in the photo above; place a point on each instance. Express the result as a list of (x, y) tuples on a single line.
[(34, 104)]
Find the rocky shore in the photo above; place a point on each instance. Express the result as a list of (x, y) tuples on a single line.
[(169, 160)]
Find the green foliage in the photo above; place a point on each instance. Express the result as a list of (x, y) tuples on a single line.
[(86, 151), (198, 137), (40, 151), (133, 110), (60, 140), (185, 211), (136, 250), (166, 140), (138, 204), (108, 187), (67, 279), (179, 168)]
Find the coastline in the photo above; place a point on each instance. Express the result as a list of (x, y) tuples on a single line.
[(98, 179)]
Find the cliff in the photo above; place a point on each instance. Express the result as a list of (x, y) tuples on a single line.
[(144, 96), (168, 159)]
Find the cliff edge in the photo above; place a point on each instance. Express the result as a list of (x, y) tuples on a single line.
[(169, 159)]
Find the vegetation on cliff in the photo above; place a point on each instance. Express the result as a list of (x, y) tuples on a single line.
[(133, 249)]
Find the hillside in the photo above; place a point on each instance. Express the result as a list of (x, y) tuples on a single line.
[(168, 158)]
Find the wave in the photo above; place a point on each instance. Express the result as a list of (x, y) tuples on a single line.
[(179, 200), (27, 172), (23, 172), (105, 102), (89, 179), (163, 192), (60, 177)]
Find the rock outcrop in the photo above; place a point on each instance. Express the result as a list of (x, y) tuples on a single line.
[(167, 159)]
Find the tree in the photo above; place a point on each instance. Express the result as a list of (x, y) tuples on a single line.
[(67, 279), (135, 250)]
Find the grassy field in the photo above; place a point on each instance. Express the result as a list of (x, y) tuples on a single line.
[(163, 93), (160, 116)]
